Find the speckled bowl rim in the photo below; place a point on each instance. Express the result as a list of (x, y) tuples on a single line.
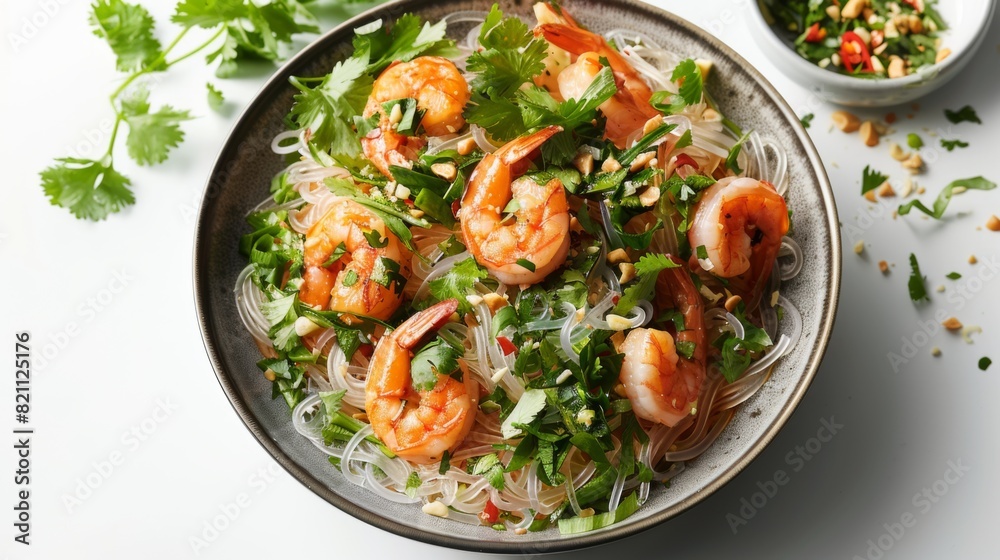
[(201, 285)]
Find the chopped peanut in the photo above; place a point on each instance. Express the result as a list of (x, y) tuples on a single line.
[(618, 256), (846, 122), (859, 247), (732, 302), (973, 259), (897, 153), (650, 196), (897, 67), (942, 54), (466, 147), (870, 196), (853, 9), (641, 160), (869, 135), (886, 190), (952, 324), (610, 165), (993, 223), (628, 272), (446, 171), (584, 163), (914, 163), (883, 267), (494, 301)]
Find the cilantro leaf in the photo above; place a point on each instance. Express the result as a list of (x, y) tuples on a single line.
[(331, 401), (733, 362), (806, 120), (215, 98), (437, 358), (688, 75), (918, 290), (490, 468), (871, 179), (407, 39), (327, 110), (952, 144), (653, 263), (648, 268), (413, 483), (458, 283), (502, 117), (732, 160), (253, 30), (965, 114), (984, 363), (151, 135), (128, 29), (89, 189), (689, 92), (942, 200), (511, 55), (953, 276)]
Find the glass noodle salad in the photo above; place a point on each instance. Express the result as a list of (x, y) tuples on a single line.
[(521, 277), (863, 38)]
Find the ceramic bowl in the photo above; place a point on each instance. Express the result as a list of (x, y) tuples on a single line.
[(240, 180), (968, 21)]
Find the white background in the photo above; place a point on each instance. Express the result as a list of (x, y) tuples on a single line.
[(114, 301)]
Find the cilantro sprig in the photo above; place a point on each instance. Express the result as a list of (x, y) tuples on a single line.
[(239, 31)]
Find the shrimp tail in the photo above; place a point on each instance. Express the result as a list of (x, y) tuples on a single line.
[(571, 38), (410, 332), (515, 151)]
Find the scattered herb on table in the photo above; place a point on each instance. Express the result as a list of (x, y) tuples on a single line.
[(952, 144), (965, 114), (918, 290), (238, 31), (941, 202)]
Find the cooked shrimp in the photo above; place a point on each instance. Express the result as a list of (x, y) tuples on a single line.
[(556, 59), (662, 386), (351, 284), (440, 90), (418, 425), (629, 109), (539, 230), (740, 221)]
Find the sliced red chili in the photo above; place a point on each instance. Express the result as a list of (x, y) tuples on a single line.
[(915, 4), (684, 159), (490, 513), (815, 33), (854, 52), (506, 345)]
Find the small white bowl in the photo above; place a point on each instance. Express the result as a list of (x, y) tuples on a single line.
[(968, 22)]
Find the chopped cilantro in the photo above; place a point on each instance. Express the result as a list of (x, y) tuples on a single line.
[(806, 120), (952, 144), (984, 363), (526, 264), (437, 358), (458, 283), (918, 290), (965, 114), (871, 179), (953, 276)]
